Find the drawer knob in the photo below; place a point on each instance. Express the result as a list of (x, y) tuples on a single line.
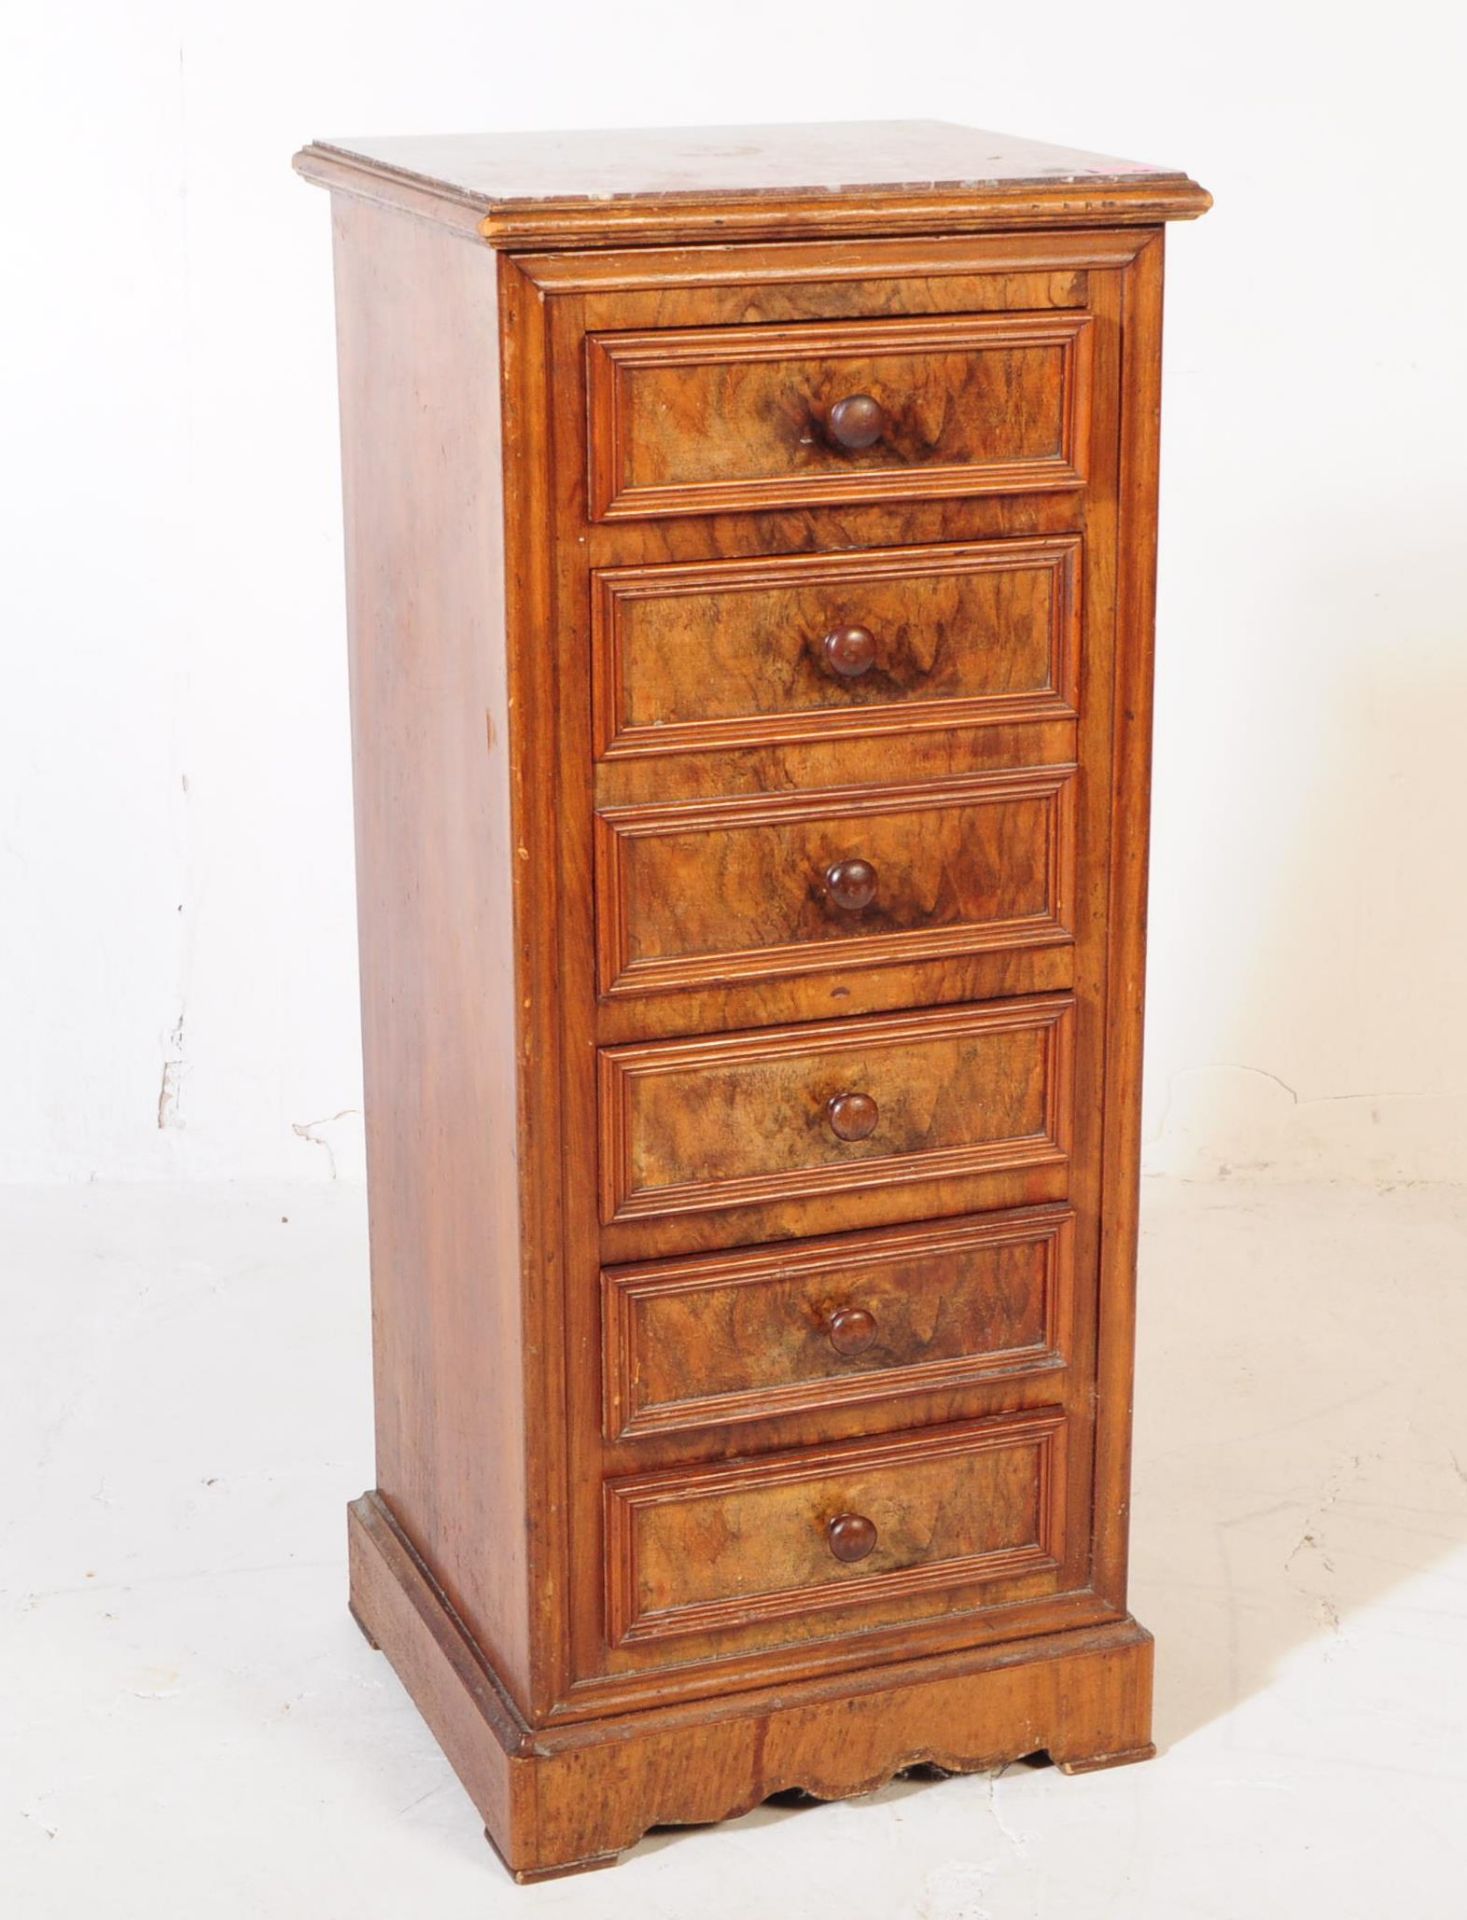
[(852, 1116), (856, 422), (851, 1536), (850, 1331), (852, 884), (849, 652)]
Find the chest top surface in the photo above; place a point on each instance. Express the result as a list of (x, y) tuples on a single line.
[(578, 187)]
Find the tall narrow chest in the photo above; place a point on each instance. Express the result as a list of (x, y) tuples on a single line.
[(750, 544)]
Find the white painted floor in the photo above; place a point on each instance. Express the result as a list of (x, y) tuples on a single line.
[(192, 1727)]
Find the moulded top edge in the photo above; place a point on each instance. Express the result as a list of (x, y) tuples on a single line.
[(524, 189)]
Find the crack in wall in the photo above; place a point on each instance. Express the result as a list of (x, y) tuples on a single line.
[(1344, 1474), (1295, 1097), (1157, 1131), (306, 1130), (170, 1087)]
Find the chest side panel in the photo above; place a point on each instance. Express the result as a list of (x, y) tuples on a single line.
[(436, 880)]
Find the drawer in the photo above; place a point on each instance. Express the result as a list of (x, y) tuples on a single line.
[(708, 419), (833, 1323), (732, 653), (933, 1514), (704, 893), (695, 1125)]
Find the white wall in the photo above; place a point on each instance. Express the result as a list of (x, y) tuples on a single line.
[(176, 938)]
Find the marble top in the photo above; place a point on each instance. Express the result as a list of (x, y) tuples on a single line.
[(506, 170)]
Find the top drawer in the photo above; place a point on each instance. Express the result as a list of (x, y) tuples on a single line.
[(713, 418)]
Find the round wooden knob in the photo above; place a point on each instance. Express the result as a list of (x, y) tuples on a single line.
[(852, 884), (852, 1116), (850, 1331), (851, 1536), (849, 652), (856, 422)]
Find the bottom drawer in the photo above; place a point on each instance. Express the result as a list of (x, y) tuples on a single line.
[(934, 1513)]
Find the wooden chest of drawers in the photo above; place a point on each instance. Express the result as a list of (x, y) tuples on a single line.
[(750, 541)]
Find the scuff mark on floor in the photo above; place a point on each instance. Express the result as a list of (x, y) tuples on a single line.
[(160, 1683), (954, 1891), (1015, 1840), (437, 1788)]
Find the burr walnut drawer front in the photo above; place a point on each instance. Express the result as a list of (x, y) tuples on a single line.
[(699, 893), (836, 1322), (706, 419), (738, 1119), (728, 653), (925, 1521)]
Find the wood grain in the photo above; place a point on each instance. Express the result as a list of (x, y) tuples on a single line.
[(699, 894), (692, 658), (1139, 298), (927, 273), (750, 1336), (697, 1125), (715, 1661), (418, 350), (541, 886), (693, 421)]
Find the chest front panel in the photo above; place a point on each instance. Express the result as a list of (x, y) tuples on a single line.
[(835, 736)]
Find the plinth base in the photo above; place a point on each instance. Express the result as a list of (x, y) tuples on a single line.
[(570, 1798)]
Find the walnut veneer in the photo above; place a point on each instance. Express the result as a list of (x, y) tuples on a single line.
[(750, 539)]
